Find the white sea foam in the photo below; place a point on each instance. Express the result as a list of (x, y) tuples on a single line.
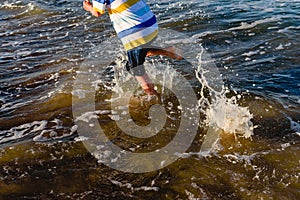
[(13, 5), (130, 186), (22, 131), (81, 138), (243, 26), (38, 131), (81, 94), (250, 53), (295, 126), (13, 106), (88, 116), (280, 47), (52, 133)]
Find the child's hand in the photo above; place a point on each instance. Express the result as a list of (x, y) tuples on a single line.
[(89, 7)]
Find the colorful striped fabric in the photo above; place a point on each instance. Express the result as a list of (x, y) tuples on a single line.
[(133, 20)]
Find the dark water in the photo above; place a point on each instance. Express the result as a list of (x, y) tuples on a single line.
[(254, 44)]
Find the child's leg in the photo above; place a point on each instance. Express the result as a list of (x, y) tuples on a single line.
[(171, 52), (147, 84), (136, 59)]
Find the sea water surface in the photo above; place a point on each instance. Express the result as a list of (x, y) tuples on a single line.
[(254, 45)]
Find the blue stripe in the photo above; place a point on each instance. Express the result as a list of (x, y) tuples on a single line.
[(138, 27), (100, 1), (142, 11), (108, 2)]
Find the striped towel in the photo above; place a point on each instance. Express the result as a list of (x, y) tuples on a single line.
[(133, 20)]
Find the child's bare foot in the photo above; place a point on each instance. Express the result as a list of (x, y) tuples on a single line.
[(146, 84), (174, 53)]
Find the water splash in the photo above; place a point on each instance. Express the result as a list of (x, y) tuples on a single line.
[(222, 114)]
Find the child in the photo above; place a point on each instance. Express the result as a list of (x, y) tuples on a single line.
[(137, 27)]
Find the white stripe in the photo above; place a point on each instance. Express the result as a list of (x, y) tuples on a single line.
[(139, 34), (128, 22), (98, 5), (117, 3), (121, 24)]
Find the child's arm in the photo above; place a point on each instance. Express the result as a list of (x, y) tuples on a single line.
[(89, 7)]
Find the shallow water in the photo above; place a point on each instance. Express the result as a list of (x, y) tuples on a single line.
[(254, 45)]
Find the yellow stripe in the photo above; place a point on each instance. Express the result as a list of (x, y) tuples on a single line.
[(140, 41), (109, 11), (98, 10), (124, 6)]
